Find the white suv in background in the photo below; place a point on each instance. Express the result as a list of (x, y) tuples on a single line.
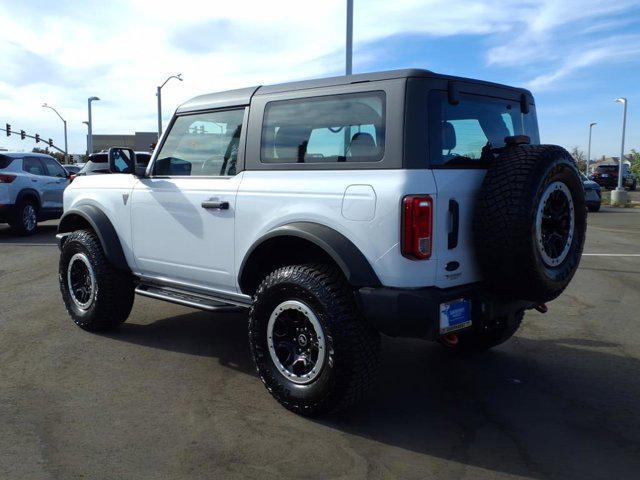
[(406, 203), (31, 189)]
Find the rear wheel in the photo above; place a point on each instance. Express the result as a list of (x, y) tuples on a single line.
[(474, 341), (311, 347), (97, 296), (25, 219)]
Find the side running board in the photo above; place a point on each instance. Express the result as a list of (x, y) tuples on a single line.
[(188, 299)]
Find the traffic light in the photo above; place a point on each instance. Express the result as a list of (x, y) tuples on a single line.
[(8, 130), (37, 138), (23, 135), (50, 143)]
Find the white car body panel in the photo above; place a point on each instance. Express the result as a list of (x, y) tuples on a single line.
[(175, 237), (269, 199)]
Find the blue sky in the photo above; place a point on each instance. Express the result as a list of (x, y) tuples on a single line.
[(576, 56)]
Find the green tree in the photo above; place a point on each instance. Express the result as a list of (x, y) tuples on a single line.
[(57, 155), (634, 158)]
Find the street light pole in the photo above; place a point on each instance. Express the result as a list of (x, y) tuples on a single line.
[(66, 151), (87, 124), (90, 125), (159, 95), (589, 149), (619, 196), (349, 46)]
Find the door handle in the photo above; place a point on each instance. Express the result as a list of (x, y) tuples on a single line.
[(215, 205), (454, 212)]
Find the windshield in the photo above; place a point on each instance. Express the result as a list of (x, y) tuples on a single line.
[(466, 133)]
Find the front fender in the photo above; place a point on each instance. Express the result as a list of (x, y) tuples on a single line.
[(81, 215)]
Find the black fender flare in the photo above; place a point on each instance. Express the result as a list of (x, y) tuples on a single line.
[(29, 192), (104, 229), (356, 268)]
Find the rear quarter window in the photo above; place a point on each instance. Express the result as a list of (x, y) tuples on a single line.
[(5, 161), (333, 128)]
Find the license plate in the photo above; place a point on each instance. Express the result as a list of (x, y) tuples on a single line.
[(455, 315), (605, 175)]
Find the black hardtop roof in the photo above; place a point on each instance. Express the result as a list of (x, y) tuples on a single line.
[(243, 96)]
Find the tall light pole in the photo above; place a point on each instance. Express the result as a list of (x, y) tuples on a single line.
[(159, 95), (66, 152), (589, 149), (90, 125), (87, 124), (619, 196), (349, 46)]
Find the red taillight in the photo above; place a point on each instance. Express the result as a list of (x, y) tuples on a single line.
[(417, 224), (7, 178)]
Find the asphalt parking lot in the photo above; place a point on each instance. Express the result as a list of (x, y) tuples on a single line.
[(173, 394)]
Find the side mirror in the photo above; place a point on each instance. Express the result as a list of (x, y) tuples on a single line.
[(122, 160)]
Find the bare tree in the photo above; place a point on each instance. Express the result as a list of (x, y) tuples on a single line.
[(580, 158)]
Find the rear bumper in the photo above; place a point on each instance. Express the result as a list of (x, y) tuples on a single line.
[(416, 312)]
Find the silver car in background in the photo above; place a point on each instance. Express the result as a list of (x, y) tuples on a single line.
[(31, 188)]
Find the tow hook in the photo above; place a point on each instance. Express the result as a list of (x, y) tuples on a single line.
[(542, 308)]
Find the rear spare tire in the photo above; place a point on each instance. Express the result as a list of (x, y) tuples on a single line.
[(530, 222)]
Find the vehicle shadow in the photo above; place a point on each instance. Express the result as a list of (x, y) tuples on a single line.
[(46, 234), (559, 408), (222, 336)]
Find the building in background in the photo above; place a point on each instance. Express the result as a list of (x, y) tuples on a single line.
[(140, 141)]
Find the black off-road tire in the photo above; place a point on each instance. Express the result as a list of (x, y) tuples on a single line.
[(476, 341), (594, 208), (634, 185), (505, 231), (113, 295), (352, 346), (18, 223)]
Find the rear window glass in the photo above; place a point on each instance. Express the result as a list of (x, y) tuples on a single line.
[(607, 168), (92, 166), (462, 134), (5, 161), (333, 128)]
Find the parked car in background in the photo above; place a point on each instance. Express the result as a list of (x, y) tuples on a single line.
[(607, 176), (98, 163), (72, 169), (31, 188), (592, 193)]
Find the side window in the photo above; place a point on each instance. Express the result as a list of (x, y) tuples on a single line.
[(201, 144), (33, 166), (333, 128), (54, 169)]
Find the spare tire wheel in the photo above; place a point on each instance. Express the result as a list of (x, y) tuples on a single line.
[(530, 222)]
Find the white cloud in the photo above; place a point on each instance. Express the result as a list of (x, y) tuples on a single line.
[(63, 53)]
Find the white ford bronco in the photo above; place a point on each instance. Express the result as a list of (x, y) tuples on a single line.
[(406, 203)]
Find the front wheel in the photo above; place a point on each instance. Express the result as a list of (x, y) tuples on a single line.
[(97, 296), (311, 347)]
